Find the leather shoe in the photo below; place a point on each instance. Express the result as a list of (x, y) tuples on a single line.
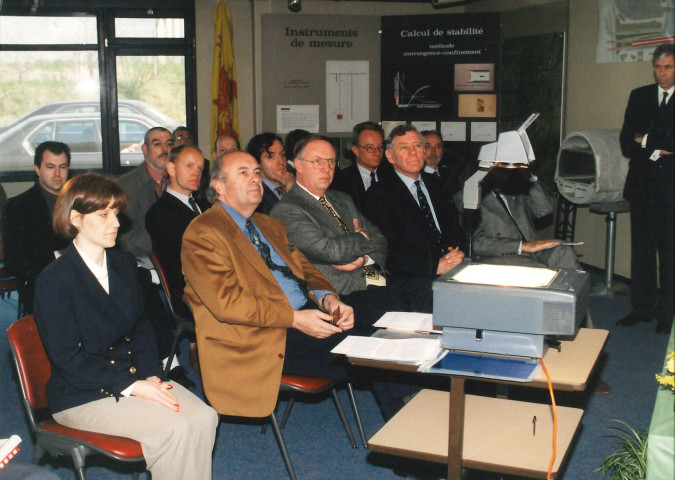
[(194, 357), (632, 319), (602, 387), (179, 375)]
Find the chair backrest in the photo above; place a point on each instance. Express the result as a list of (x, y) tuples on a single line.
[(32, 365), (166, 299)]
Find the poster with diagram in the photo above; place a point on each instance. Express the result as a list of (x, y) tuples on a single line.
[(347, 94), (427, 59)]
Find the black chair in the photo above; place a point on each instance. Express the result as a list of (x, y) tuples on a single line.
[(33, 370), (183, 325)]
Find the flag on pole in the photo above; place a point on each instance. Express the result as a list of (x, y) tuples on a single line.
[(224, 119)]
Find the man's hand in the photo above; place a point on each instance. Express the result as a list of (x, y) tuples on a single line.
[(154, 390), (450, 260), (348, 267), (288, 180), (314, 323), (346, 320), (538, 245), (359, 229)]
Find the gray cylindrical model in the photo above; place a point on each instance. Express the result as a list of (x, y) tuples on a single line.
[(591, 168)]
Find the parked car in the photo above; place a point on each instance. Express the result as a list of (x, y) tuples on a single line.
[(125, 107), (82, 133)]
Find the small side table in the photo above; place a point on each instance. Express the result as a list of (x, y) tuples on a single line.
[(610, 211)]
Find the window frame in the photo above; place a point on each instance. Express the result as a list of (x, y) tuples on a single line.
[(108, 49)]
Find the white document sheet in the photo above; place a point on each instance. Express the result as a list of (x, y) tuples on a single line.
[(408, 321), (407, 350)]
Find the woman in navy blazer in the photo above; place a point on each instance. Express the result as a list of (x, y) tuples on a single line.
[(105, 365)]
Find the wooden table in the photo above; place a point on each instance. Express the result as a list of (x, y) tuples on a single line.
[(570, 370)]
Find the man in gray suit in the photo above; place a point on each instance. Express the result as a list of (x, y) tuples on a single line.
[(329, 230), (144, 185), (512, 200)]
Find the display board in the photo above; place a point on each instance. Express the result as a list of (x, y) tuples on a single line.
[(440, 68), (319, 73)]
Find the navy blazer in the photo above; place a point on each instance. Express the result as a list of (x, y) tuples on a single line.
[(349, 181), (390, 205), (98, 344), (166, 222)]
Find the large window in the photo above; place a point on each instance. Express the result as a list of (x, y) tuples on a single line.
[(96, 78)]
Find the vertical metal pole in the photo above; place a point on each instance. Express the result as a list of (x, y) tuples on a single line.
[(611, 247)]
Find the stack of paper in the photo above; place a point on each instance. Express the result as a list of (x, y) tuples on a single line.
[(8, 449), (406, 350), (407, 321)]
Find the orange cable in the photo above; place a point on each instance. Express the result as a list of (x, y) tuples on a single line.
[(555, 418)]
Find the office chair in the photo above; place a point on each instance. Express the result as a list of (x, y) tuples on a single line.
[(315, 386), (33, 370), (183, 325)]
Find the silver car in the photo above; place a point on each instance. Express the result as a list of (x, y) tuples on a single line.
[(80, 131)]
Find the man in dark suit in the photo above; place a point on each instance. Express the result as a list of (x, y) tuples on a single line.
[(433, 164), (28, 237), (367, 148), (647, 139), (420, 224), (268, 150), (168, 218), (333, 235)]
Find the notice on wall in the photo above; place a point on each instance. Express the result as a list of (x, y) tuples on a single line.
[(483, 131), (293, 117), (453, 131), (347, 94), (427, 59)]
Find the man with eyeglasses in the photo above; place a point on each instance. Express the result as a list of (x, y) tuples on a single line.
[(329, 230), (367, 148), (419, 223), (268, 150)]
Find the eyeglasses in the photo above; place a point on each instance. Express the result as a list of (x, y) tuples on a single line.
[(372, 148), (321, 162)]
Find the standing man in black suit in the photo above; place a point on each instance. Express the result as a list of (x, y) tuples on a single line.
[(268, 150), (367, 147), (647, 139), (27, 234), (420, 224)]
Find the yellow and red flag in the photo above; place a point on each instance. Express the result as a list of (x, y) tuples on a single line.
[(224, 118)]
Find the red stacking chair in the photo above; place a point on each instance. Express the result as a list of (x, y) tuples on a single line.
[(33, 370)]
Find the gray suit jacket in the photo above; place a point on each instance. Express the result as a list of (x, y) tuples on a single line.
[(324, 242), (498, 236), (140, 187)]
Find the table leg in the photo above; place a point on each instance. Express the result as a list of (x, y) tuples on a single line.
[(456, 428)]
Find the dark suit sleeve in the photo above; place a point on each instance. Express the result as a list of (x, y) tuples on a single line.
[(15, 244), (636, 122)]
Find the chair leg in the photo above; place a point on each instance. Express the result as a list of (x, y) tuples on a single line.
[(287, 412), (282, 447), (359, 424), (37, 454), (342, 416), (78, 455)]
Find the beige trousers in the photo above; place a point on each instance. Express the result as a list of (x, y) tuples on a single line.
[(176, 446)]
